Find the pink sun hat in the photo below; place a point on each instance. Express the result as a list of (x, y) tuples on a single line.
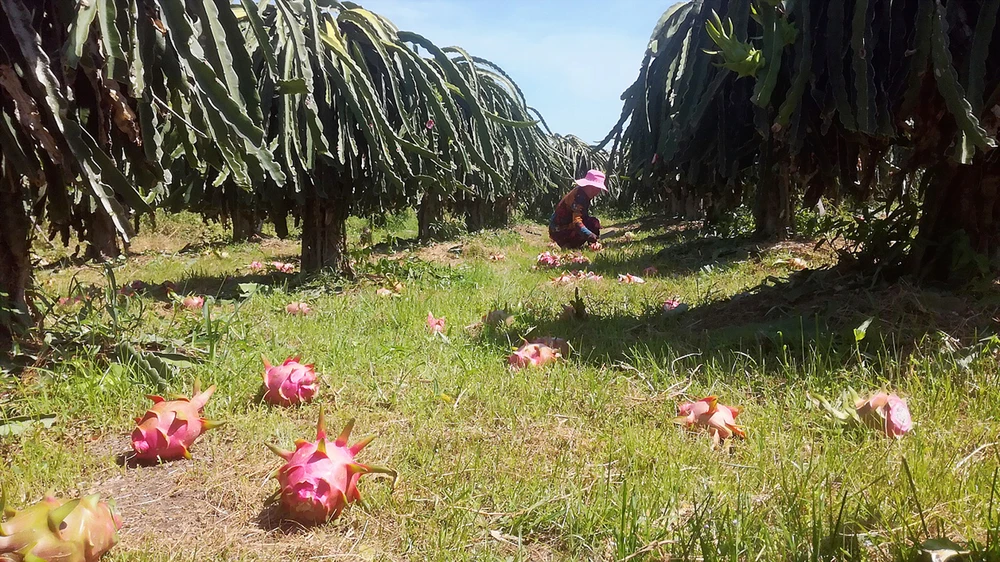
[(594, 178)]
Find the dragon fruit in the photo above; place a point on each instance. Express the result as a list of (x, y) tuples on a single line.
[(256, 266), (298, 309), (170, 427), (79, 530), (283, 267), (707, 412), (548, 259), (319, 479), (290, 383), (885, 412), (435, 325), (533, 355), (193, 303)]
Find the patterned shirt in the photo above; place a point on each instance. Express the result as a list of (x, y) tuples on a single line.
[(570, 213)]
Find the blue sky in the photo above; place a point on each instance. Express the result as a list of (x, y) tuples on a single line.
[(572, 58)]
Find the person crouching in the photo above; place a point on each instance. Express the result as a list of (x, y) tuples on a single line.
[(571, 225)]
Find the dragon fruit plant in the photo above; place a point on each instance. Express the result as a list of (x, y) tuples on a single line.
[(288, 384), (168, 429), (58, 530), (720, 420), (320, 478)]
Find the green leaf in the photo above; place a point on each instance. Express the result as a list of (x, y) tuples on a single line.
[(862, 331), (10, 427), (79, 32)]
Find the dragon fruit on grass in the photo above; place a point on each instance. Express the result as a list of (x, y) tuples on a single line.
[(290, 383), (320, 478), (79, 530), (170, 427)]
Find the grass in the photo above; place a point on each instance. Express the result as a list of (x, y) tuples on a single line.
[(579, 461)]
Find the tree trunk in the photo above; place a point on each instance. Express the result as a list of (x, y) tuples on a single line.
[(279, 216), (428, 216), (324, 224), (474, 219), (958, 237), (102, 237), (246, 224), (772, 211), (15, 260)]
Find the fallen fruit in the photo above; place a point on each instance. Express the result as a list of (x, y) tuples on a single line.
[(320, 478)]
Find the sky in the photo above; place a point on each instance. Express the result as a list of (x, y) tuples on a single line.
[(572, 58)]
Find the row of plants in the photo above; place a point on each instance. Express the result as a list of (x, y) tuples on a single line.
[(316, 110), (886, 108)]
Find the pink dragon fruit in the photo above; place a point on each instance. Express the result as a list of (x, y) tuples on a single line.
[(548, 259), (498, 257), (435, 325), (707, 412), (170, 427), (193, 302), (256, 266), (319, 479), (577, 259), (596, 247), (290, 383), (885, 412), (298, 309), (533, 355), (59, 530), (283, 267)]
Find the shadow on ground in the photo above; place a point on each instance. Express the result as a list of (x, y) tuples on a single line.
[(809, 320)]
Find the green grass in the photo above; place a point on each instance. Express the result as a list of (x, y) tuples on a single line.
[(579, 461)]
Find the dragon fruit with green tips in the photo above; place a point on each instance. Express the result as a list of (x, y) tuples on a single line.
[(290, 383), (58, 530), (320, 478), (169, 429)]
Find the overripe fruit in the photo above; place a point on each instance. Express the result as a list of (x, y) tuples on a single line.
[(290, 383), (320, 478), (170, 427), (533, 355), (885, 412), (720, 420), (58, 530)]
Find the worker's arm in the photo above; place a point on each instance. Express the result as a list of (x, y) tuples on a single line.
[(579, 211)]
